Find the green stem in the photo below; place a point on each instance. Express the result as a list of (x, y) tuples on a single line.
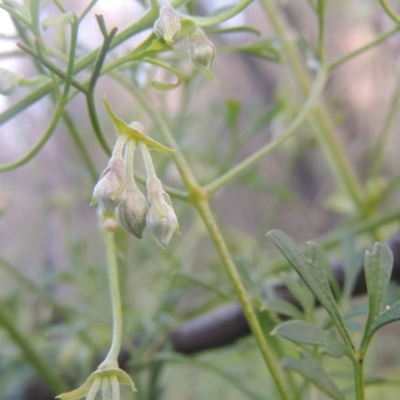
[(198, 197), (34, 359), (142, 24), (321, 10), (358, 368), (112, 357), (379, 39), (389, 11), (130, 161), (389, 117), (59, 110), (148, 162), (291, 130), (219, 242), (332, 147), (70, 124)]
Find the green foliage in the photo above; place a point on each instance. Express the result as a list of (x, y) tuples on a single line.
[(160, 79)]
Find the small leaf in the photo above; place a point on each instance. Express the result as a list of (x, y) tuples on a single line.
[(261, 49), (301, 292), (312, 370), (123, 128), (314, 276), (281, 307), (306, 333), (236, 29), (378, 268), (161, 85), (392, 314)]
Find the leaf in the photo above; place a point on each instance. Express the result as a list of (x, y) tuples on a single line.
[(378, 269), (306, 333), (281, 307), (262, 49), (392, 314), (313, 275), (123, 128), (352, 263), (301, 292), (313, 371), (161, 85)]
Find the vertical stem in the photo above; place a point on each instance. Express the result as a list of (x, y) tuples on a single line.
[(331, 146), (148, 162), (358, 367), (129, 161), (215, 234), (112, 356)]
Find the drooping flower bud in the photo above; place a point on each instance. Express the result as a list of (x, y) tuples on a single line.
[(201, 49), (168, 24), (8, 81), (111, 188), (161, 219), (132, 212)]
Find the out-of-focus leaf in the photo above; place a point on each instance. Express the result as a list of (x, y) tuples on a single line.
[(262, 49), (378, 268), (281, 307), (313, 371), (162, 85), (301, 292), (306, 333)]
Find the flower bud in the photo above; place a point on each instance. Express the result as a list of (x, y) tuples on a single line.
[(168, 24), (8, 81), (161, 219), (201, 49), (132, 212), (111, 187)]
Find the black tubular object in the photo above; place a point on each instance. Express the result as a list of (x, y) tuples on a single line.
[(226, 324)]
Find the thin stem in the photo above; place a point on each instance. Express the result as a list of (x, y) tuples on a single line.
[(92, 83), (119, 146), (332, 147), (148, 162), (384, 133), (321, 10), (198, 197), (50, 66), (59, 110), (390, 188), (291, 130), (358, 368), (35, 359), (73, 130), (389, 11), (216, 236), (378, 40), (87, 9), (130, 161), (142, 24), (112, 357)]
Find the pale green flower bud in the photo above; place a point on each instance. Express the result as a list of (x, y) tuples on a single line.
[(132, 212), (8, 81), (111, 187), (168, 24), (201, 49), (161, 219)]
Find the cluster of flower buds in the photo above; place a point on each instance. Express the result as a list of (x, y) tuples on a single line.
[(117, 191), (201, 49)]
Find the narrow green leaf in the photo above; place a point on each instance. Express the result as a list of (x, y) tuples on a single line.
[(313, 275), (236, 29), (392, 314), (301, 292), (162, 85), (313, 371), (281, 307), (125, 129), (306, 333), (378, 269)]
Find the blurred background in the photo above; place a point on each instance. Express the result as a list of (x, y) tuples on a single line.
[(53, 282)]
